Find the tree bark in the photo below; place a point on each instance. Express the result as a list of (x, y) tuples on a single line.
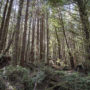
[(69, 52), (24, 37), (33, 40), (3, 21), (9, 44), (5, 27), (86, 29), (3, 18), (17, 30), (27, 56), (41, 39), (59, 46), (38, 39), (47, 38)]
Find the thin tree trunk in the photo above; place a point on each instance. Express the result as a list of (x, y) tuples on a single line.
[(44, 35), (47, 38)]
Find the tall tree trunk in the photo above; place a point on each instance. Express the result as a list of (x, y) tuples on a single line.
[(86, 29), (59, 46), (41, 38), (11, 37), (1, 3), (5, 27), (9, 44), (54, 51), (24, 36), (44, 38), (38, 34), (69, 52), (33, 39), (3, 20), (27, 56), (47, 38), (17, 30)]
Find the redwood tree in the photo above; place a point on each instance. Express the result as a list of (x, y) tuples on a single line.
[(17, 31), (82, 5), (24, 36)]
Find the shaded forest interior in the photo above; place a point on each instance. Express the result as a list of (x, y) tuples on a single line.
[(44, 44)]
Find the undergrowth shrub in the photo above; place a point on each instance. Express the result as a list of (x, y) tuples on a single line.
[(39, 77), (16, 75), (77, 82), (68, 80), (61, 73), (2, 85)]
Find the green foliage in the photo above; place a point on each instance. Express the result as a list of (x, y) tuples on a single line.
[(56, 3), (77, 82), (10, 69), (72, 81), (48, 71), (55, 22), (39, 77), (17, 75), (88, 3), (62, 64), (2, 85), (68, 80), (61, 73)]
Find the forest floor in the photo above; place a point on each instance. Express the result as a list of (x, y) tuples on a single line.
[(42, 78)]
